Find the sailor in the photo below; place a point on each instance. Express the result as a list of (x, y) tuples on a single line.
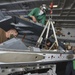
[(4, 35), (46, 45), (70, 68), (39, 14)]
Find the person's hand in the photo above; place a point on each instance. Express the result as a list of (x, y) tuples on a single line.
[(34, 19)]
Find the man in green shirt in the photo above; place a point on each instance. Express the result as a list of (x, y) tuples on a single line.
[(39, 14)]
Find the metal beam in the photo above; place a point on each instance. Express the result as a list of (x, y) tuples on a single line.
[(64, 20), (71, 7), (17, 2), (57, 15), (63, 7)]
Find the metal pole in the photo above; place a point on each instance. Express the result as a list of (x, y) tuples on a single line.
[(41, 38), (48, 27), (54, 33)]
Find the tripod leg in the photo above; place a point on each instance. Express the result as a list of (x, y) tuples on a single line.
[(48, 27), (41, 38), (51, 46), (54, 33)]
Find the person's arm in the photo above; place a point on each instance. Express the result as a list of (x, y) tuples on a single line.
[(31, 14), (33, 18)]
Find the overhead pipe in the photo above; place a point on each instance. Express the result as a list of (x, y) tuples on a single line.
[(16, 2)]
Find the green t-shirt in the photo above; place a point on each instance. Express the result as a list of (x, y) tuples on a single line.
[(40, 18)]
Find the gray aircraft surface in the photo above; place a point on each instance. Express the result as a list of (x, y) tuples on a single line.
[(23, 53)]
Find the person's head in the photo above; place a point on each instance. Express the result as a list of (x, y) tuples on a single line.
[(43, 8), (48, 42), (11, 33)]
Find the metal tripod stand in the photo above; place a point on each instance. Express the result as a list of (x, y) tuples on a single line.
[(46, 29)]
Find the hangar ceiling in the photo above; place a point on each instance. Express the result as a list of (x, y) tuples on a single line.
[(63, 15)]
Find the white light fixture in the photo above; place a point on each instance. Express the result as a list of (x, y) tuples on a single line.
[(55, 6)]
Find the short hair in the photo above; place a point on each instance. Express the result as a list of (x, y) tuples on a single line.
[(13, 30), (47, 40)]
